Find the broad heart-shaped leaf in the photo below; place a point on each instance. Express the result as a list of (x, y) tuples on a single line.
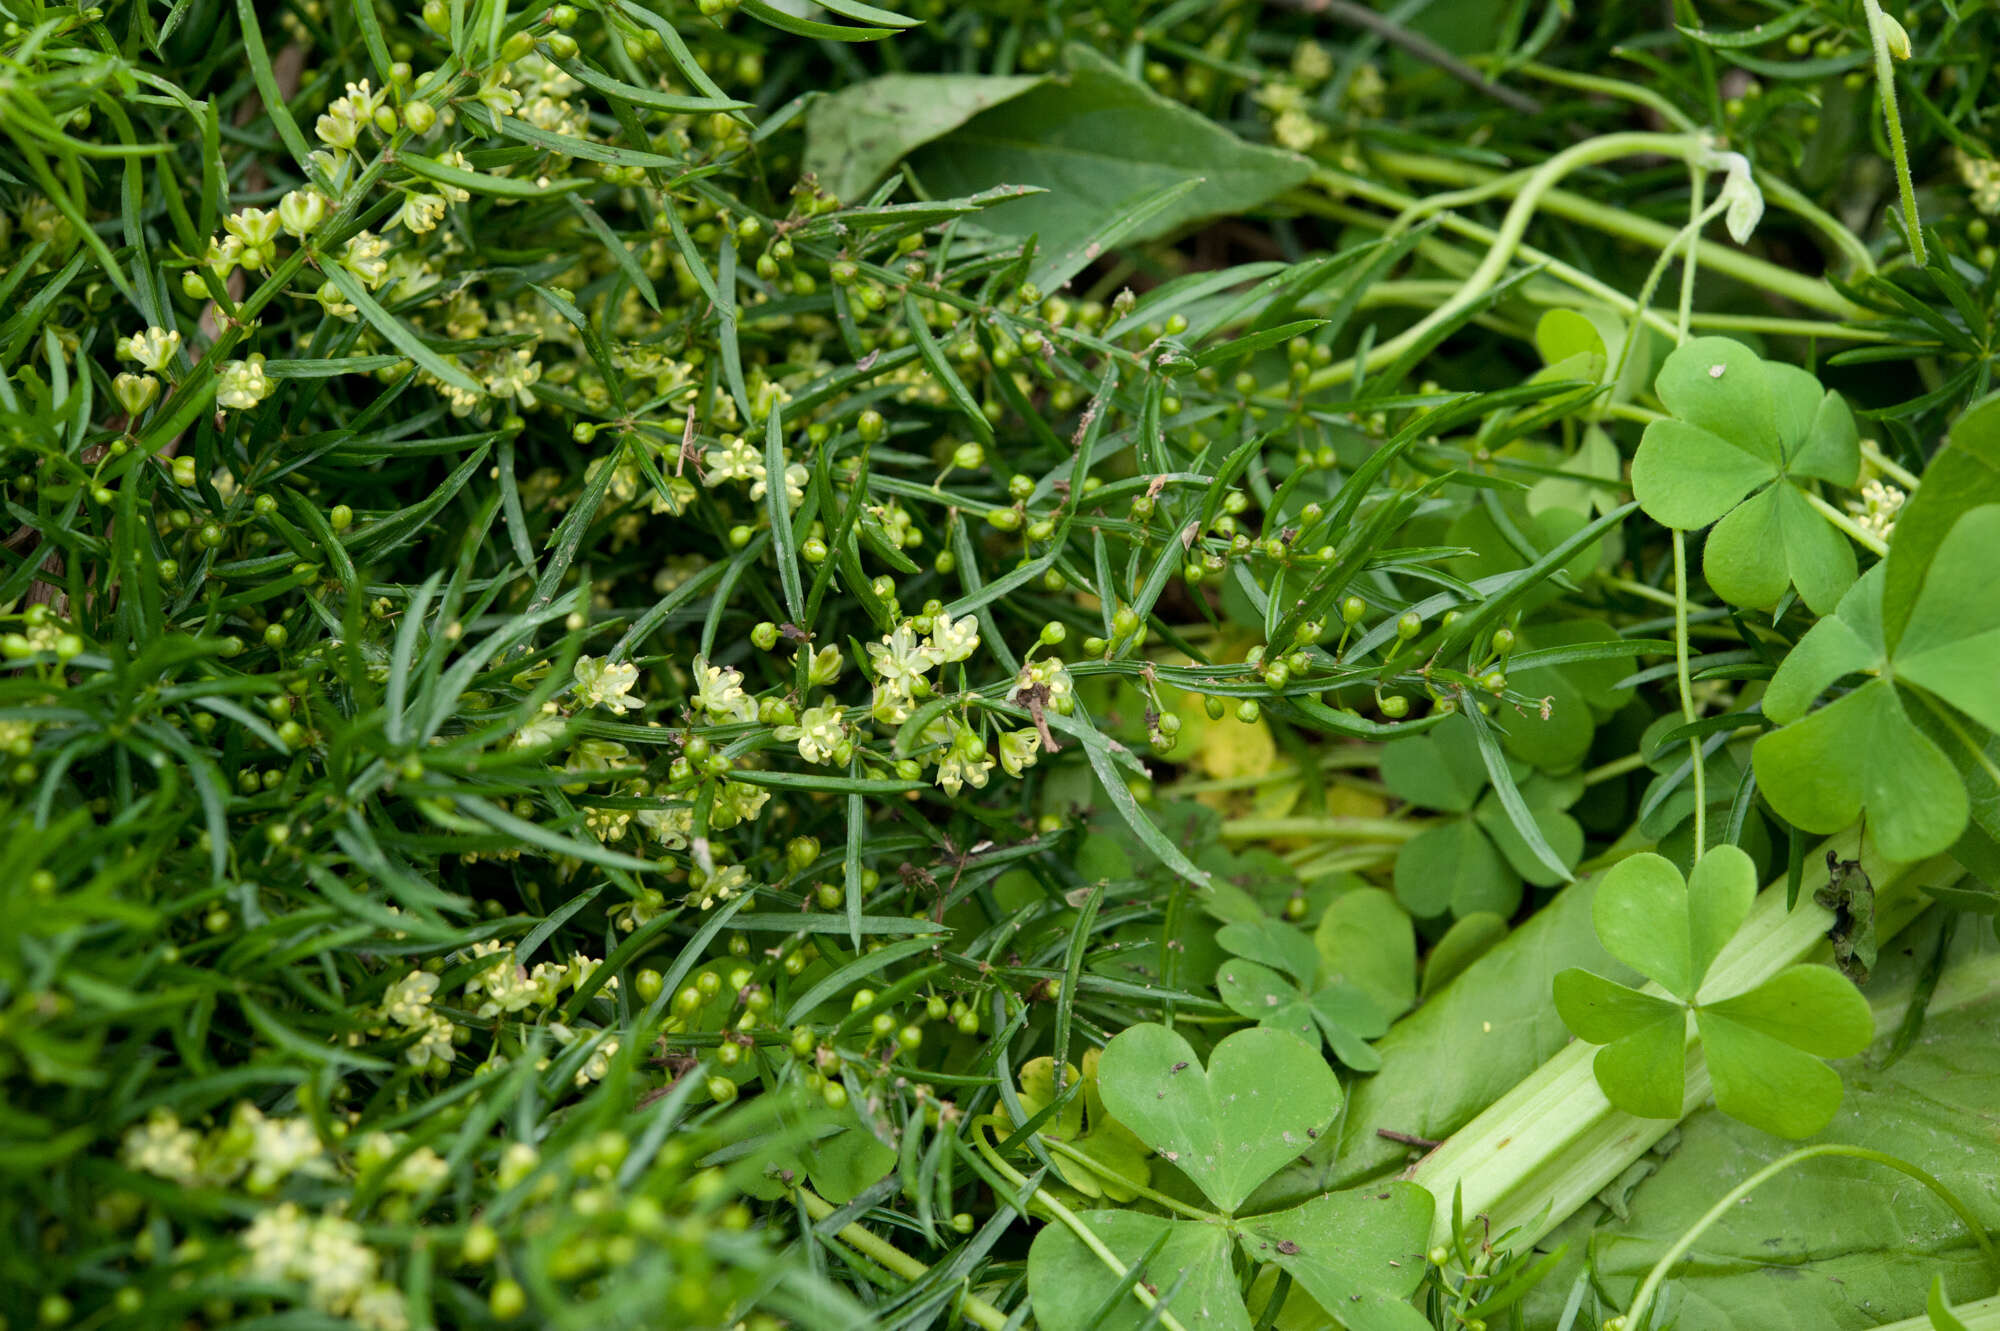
[(1360, 1253), (1546, 798), (1964, 475), (1951, 643), (1257, 993), (1642, 1068), (1069, 1285), (1746, 437), (1722, 386), (1366, 940), (1669, 929), (1454, 867), (1263, 1098), (855, 135), (1440, 769), (1864, 753), (1763, 1081), (1772, 540), (1100, 142)]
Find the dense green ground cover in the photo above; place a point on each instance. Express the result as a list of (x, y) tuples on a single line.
[(1193, 665)]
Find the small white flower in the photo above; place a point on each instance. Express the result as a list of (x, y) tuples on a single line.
[(407, 1002), (953, 641), (337, 1265), (135, 392), (606, 684), (899, 658), (544, 730), (366, 255), (1018, 749), (795, 483), (433, 1044), (277, 1240), (381, 1307), (241, 384), (735, 460), (719, 692), (279, 1147), (421, 213), (958, 770), (162, 1147), (333, 301), (719, 886), (819, 732), (154, 349)]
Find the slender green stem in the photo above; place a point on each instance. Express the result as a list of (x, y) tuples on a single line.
[(1640, 590), (1605, 87), (1069, 1220), (976, 1310), (1885, 79), (1688, 712), (1845, 522), (1327, 829), (1617, 767), (1692, 232), (1635, 1319), (1336, 181), (1811, 292), (1888, 466), (1528, 192), (1068, 1152)]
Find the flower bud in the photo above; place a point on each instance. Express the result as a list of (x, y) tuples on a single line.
[(135, 392), (304, 211)]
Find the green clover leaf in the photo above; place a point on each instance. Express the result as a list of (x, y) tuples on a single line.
[(1274, 980), (1763, 1046), (1474, 862), (1359, 1251), (1746, 441), (1865, 752), (1262, 1099)]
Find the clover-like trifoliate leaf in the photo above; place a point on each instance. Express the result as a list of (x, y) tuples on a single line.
[(1865, 752), (1763, 1046), (1262, 1099), (1642, 1067), (1365, 939), (1346, 1017), (1746, 440), (1671, 929), (1359, 1253)]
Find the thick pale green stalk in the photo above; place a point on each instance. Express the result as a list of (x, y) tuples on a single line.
[(1554, 1142), (1981, 1316)]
